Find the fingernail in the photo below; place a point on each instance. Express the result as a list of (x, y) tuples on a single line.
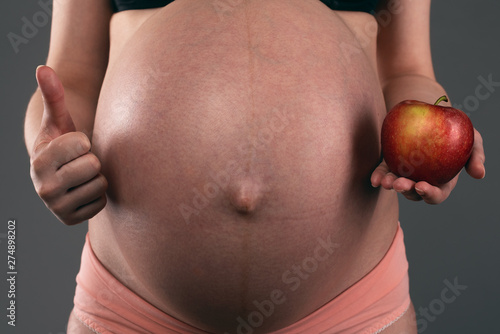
[(80, 149), (419, 191), (36, 72), (398, 190)]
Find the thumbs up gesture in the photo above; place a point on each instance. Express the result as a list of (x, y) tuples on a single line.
[(66, 175)]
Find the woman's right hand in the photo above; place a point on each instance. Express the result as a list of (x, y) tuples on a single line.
[(66, 175)]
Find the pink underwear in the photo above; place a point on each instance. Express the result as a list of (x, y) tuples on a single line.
[(375, 302)]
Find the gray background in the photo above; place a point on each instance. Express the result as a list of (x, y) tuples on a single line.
[(455, 240)]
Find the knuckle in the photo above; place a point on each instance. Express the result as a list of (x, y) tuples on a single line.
[(38, 165), (47, 191), (83, 142), (94, 162)]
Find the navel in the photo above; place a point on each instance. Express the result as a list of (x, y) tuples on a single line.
[(245, 195)]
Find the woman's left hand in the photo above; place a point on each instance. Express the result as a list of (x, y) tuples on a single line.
[(417, 191)]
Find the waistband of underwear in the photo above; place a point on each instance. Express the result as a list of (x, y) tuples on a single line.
[(372, 304)]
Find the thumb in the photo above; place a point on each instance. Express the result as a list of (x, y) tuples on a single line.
[(56, 119)]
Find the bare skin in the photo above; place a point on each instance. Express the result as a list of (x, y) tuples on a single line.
[(229, 144), (285, 112)]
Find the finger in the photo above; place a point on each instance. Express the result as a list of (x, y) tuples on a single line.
[(80, 197), (86, 211), (403, 185), (87, 192), (56, 119), (58, 152), (475, 165), (388, 180), (78, 171), (378, 174), (432, 194), (406, 187), (90, 210), (412, 195)]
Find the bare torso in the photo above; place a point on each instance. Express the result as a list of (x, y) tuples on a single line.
[(238, 147)]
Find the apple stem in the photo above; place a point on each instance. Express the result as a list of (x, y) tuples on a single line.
[(441, 99)]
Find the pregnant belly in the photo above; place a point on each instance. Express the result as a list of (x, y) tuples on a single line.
[(238, 147)]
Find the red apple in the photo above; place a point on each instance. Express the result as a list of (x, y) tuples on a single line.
[(425, 142)]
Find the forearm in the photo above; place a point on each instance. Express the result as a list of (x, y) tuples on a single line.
[(81, 107), (412, 87)]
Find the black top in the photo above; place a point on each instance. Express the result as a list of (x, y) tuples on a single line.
[(368, 6)]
